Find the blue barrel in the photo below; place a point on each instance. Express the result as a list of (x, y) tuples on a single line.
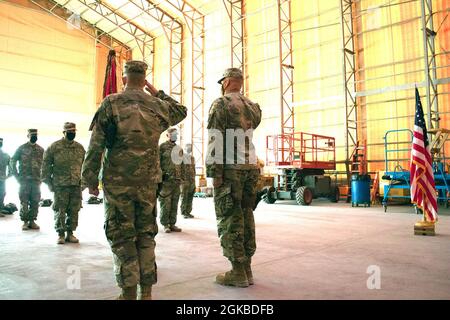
[(360, 190)]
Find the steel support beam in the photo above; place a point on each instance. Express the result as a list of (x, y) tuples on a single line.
[(431, 86), (349, 82), (286, 76), (173, 31), (144, 41), (236, 13), (55, 9), (195, 21), (198, 91)]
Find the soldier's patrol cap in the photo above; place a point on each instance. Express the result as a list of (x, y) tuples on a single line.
[(135, 66), (70, 126), (231, 73), (32, 131)]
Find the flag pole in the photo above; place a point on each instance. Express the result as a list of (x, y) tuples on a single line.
[(423, 192)]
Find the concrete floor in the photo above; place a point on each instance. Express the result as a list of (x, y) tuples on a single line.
[(317, 252)]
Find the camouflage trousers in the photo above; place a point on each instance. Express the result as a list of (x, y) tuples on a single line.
[(168, 200), (187, 196), (2, 193), (234, 201), (130, 227), (29, 195), (67, 204)]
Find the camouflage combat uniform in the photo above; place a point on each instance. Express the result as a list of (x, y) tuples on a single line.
[(169, 194), (4, 173), (236, 226), (126, 132), (188, 185), (61, 171), (29, 157), (234, 199)]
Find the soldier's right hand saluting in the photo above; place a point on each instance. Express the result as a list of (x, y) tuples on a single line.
[(150, 88)]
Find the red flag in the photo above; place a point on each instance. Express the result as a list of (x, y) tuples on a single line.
[(423, 192), (110, 85)]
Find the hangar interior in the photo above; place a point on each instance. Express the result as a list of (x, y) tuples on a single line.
[(345, 69)]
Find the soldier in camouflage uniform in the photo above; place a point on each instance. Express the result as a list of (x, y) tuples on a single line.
[(4, 174), (233, 167), (124, 142), (29, 156), (188, 185), (61, 171), (172, 172)]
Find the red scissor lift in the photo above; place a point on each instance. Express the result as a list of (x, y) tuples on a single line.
[(302, 159)]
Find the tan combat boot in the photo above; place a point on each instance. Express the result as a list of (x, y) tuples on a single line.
[(25, 225), (236, 277), (248, 271), (33, 225), (71, 238), (61, 238), (174, 228), (128, 293), (167, 229), (146, 292)]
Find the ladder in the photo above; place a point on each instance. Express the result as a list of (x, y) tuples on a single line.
[(358, 164), (375, 192)]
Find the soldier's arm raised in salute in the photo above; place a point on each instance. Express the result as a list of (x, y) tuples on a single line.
[(172, 111)]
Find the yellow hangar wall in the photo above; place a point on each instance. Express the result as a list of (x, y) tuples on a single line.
[(389, 59), (51, 72), (48, 75)]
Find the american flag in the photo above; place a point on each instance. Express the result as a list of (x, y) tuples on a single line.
[(423, 192)]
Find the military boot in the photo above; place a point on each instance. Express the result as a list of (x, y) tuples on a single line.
[(248, 271), (235, 277), (146, 292), (25, 225), (1, 215), (174, 228), (128, 293), (33, 225), (167, 229), (61, 238), (71, 238)]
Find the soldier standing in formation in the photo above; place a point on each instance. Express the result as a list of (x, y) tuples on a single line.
[(4, 174), (170, 154), (61, 171), (188, 185), (234, 181), (126, 132), (29, 156)]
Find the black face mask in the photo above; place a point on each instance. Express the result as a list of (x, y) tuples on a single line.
[(70, 135), (33, 139)]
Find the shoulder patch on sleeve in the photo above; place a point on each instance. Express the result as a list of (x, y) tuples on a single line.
[(94, 120)]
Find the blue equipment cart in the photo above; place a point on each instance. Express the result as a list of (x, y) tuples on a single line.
[(399, 178)]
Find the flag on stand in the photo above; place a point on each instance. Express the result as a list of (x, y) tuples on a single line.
[(423, 192), (110, 85)]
